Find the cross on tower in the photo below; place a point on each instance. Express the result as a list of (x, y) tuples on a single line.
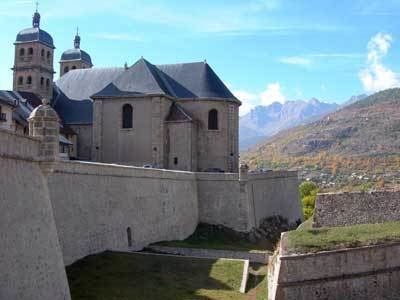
[(37, 6)]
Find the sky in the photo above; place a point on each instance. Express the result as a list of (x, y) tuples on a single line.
[(264, 50)]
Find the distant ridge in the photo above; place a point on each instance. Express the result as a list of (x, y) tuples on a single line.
[(363, 135), (264, 121)]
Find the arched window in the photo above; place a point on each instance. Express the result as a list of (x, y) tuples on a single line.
[(48, 54), (30, 51), (29, 80), (127, 116), (20, 80), (21, 52), (47, 83), (73, 67), (66, 69), (41, 81), (213, 119), (42, 53)]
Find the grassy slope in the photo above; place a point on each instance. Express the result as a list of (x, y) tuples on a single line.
[(363, 135), (119, 276), (308, 240), (239, 246), (207, 238)]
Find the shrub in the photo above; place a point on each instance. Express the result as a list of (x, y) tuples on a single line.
[(308, 193)]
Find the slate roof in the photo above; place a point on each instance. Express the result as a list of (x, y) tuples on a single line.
[(76, 54), (33, 99), (72, 111), (64, 140), (183, 81), (82, 84), (24, 103), (196, 79), (74, 91), (178, 114), (35, 34), (71, 99), (6, 99)]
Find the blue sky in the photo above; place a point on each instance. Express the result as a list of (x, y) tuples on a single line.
[(264, 50)]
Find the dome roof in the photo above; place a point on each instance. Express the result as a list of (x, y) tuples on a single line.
[(35, 34), (76, 54)]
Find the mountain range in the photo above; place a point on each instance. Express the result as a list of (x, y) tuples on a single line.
[(364, 136), (264, 121)]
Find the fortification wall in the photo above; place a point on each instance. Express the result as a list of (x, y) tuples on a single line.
[(343, 209), (96, 205), (220, 202), (30, 256), (243, 204), (371, 272), (274, 193)]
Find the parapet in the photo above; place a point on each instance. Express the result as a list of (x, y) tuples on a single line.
[(44, 124), (345, 209)]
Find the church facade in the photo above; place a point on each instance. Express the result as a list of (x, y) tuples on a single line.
[(176, 116)]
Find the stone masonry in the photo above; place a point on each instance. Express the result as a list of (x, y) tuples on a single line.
[(344, 209), (55, 212), (44, 124)]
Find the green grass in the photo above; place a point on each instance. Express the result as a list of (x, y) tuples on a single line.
[(217, 245), (211, 237), (308, 240), (306, 224), (125, 276)]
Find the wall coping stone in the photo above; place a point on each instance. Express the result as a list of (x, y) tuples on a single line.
[(102, 169)]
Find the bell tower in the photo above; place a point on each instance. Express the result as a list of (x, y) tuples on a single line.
[(76, 58), (33, 62)]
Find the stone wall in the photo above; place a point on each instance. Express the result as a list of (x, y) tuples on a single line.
[(30, 256), (96, 205), (215, 148), (343, 209), (220, 202), (274, 193), (36, 66), (180, 143), (363, 273), (72, 65), (7, 110), (84, 142), (55, 212), (243, 204), (142, 144)]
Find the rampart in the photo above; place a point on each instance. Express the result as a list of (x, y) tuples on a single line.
[(242, 203), (30, 258), (54, 212), (274, 193), (100, 206), (371, 272), (343, 209)]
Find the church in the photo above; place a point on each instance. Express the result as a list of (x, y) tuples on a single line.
[(172, 116)]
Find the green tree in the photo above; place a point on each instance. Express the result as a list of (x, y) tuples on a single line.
[(308, 193)]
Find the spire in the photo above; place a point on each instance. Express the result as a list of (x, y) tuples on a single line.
[(77, 41), (36, 17)]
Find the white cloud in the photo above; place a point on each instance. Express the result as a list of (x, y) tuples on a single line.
[(249, 101), (272, 94), (295, 60), (336, 55), (376, 76)]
